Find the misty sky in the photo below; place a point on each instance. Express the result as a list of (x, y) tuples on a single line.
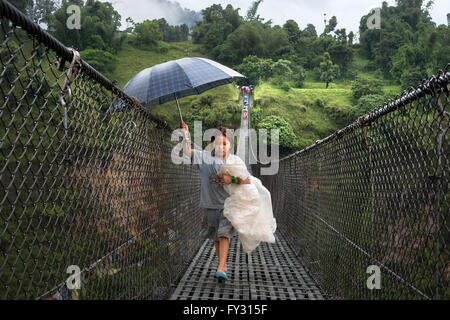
[(348, 12)]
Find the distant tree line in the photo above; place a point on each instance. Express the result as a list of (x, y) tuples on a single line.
[(99, 38), (236, 41), (408, 46)]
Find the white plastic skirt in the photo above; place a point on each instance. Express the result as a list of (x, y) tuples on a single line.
[(249, 207)]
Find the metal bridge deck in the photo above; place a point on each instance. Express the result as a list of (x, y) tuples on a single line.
[(270, 272)]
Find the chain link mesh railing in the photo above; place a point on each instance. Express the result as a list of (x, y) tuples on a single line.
[(374, 193), (83, 186)]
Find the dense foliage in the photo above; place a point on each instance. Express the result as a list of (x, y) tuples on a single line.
[(408, 48)]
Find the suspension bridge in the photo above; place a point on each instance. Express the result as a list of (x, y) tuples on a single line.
[(96, 192)]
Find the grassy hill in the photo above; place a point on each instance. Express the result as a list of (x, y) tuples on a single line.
[(313, 111), (131, 60)]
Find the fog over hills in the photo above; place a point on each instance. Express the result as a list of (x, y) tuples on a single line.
[(171, 11)]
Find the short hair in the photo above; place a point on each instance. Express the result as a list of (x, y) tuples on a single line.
[(226, 132)]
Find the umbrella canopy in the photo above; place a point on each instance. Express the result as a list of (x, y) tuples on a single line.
[(176, 79)]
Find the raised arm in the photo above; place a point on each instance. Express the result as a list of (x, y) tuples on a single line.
[(187, 150)]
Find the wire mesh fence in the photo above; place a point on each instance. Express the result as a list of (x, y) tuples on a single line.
[(374, 193), (83, 186)]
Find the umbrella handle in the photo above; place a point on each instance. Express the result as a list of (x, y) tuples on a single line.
[(178, 105)]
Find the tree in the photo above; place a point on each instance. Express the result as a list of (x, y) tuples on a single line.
[(364, 86), (287, 136), (23, 5), (328, 70), (299, 77), (253, 38), (184, 30), (412, 77), (99, 26), (252, 12), (147, 33), (164, 29), (41, 10), (408, 56), (130, 25), (292, 29), (216, 25), (332, 23), (246, 40), (366, 104), (281, 70), (341, 35), (342, 55), (251, 69), (266, 68), (311, 29), (351, 36), (407, 35)]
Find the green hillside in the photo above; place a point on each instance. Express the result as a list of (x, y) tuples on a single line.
[(131, 60), (313, 111)]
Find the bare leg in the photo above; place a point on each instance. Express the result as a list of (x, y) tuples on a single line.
[(217, 245), (224, 245)]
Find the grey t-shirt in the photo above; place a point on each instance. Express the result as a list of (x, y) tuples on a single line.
[(212, 195)]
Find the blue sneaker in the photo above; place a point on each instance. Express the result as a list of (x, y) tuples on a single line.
[(221, 276)]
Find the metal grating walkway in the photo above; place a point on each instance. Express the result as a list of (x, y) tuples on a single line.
[(270, 272)]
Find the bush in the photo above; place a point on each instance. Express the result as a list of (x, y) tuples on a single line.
[(147, 33), (299, 77), (366, 104), (378, 74), (317, 73), (370, 66), (285, 86), (352, 74), (206, 100), (101, 60), (233, 108), (281, 69), (363, 86), (286, 134), (251, 69), (319, 103), (255, 116), (412, 77)]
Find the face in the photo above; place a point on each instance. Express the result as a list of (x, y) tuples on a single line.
[(221, 146)]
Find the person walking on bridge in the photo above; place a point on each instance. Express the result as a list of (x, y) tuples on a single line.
[(213, 194)]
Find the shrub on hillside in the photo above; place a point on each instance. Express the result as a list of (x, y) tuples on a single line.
[(366, 104), (286, 134), (255, 116), (299, 77), (363, 86), (101, 60), (285, 86)]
